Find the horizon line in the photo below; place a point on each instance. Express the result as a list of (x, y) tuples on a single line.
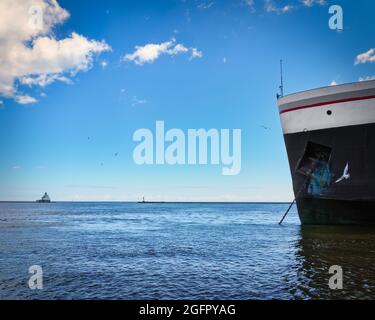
[(146, 202)]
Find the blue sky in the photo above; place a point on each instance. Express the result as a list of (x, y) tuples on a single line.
[(62, 137)]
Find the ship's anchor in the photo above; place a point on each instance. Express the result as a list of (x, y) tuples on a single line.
[(295, 199)]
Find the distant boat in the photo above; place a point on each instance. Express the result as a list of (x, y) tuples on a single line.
[(44, 199), (144, 201)]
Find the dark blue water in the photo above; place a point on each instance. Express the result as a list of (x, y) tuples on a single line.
[(178, 251)]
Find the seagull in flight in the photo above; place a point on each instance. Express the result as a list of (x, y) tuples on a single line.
[(265, 127), (345, 175)]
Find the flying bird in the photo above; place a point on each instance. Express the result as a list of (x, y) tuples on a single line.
[(345, 175), (266, 128)]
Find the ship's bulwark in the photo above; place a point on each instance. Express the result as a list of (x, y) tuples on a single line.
[(340, 190)]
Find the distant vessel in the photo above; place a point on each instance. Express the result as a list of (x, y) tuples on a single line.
[(144, 201), (44, 199), (329, 135)]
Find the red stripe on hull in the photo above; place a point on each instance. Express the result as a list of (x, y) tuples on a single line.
[(327, 103)]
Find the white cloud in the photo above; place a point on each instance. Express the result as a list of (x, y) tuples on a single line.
[(31, 55), (270, 6), (250, 4), (206, 5), (25, 99), (16, 167), (137, 101), (43, 80), (195, 53), (151, 52), (179, 48), (368, 78), (310, 3), (365, 57), (104, 64), (333, 83), (19, 22)]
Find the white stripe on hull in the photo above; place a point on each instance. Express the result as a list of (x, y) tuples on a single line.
[(316, 118)]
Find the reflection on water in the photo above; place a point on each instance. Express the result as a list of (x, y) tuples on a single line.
[(178, 251), (352, 248)]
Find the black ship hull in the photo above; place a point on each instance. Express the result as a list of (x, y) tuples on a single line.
[(324, 199), (317, 211), (329, 135)]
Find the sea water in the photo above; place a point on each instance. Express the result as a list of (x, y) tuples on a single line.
[(178, 251)]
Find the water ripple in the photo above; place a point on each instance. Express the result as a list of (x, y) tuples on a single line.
[(178, 251)]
